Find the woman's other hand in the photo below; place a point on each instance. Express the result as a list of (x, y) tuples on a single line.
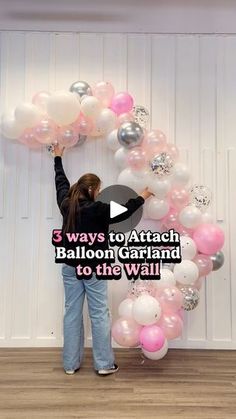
[(146, 194), (58, 150)]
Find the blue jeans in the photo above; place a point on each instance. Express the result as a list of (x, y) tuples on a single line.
[(96, 292)]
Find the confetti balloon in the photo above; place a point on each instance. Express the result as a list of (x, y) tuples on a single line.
[(191, 298), (141, 115), (200, 196), (161, 164)]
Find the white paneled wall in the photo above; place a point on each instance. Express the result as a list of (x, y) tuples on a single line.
[(188, 83)]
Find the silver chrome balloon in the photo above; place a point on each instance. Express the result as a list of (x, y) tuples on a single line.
[(217, 260), (191, 297), (141, 115), (130, 134), (162, 164), (82, 88), (200, 196)]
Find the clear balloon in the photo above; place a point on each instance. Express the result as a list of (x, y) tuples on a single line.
[(155, 140), (104, 92), (146, 310), (171, 324), (130, 134), (186, 272), (63, 108), (121, 103), (161, 164), (204, 264), (40, 100), (45, 131), (157, 355), (84, 125), (217, 260), (157, 208), (81, 88), (191, 297), (190, 216), (137, 158), (209, 238), (152, 338), (188, 248), (172, 150), (179, 198), (126, 331), (67, 136), (28, 138)]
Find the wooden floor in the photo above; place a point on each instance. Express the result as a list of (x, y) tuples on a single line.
[(187, 384)]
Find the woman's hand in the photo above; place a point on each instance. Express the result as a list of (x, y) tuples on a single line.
[(146, 194), (58, 150)]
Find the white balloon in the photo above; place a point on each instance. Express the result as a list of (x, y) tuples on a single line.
[(120, 157), (180, 174), (157, 208), (112, 141), (90, 106), (157, 355), (63, 107), (146, 310), (167, 278), (159, 187), (105, 121), (188, 247), (207, 218), (27, 115), (10, 128), (186, 272), (127, 177), (190, 216), (126, 307)]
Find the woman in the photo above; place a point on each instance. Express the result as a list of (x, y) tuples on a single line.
[(82, 214)]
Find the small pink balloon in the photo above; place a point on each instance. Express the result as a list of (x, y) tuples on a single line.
[(122, 103), (198, 283), (171, 324), (45, 131), (40, 100), (171, 219), (84, 125), (126, 331), (171, 299), (172, 150), (184, 231), (28, 138), (209, 238), (204, 264), (104, 92), (152, 338), (67, 136), (155, 139), (181, 313), (125, 117), (179, 198), (137, 158)]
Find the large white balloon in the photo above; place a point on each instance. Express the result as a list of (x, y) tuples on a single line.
[(128, 178), (207, 218), (112, 141), (186, 272), (188, 248), (146, 310), (159, 187), (27, 115), (157, 208), (10, 128), (105, 121), (126, 307), (190, 216), (180, 175), (63, 107), (120, 157), (90, 106), (157, 355), (167, 278)]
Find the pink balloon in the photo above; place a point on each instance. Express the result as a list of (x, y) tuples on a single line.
[(171, 324), (45, 131), (181, 313), (125, 117), (198, 283), (28, 138), (155, 138), (126, 332), (136, 158), (67, 136), (152, 338), (171, 299), (179, 198), (209, 238), (122, 103), (172, 150), (83, 125), (171, 219), (184, 231), (40, 100), (204, 264), (104, 92)]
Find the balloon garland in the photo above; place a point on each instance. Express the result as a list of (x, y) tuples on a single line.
[(152, 313)]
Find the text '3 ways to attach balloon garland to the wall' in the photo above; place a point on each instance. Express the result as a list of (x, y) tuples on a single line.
[(139, 253)]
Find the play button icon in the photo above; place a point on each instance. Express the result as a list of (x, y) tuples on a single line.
[(116, 209), (117, 196)]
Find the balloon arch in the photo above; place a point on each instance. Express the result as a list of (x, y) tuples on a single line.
[(152, 313)]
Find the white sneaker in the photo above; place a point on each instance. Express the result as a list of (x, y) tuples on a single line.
[(109, 371), (71, 372)]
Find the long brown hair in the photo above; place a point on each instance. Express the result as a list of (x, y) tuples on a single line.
[(85, 188)]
